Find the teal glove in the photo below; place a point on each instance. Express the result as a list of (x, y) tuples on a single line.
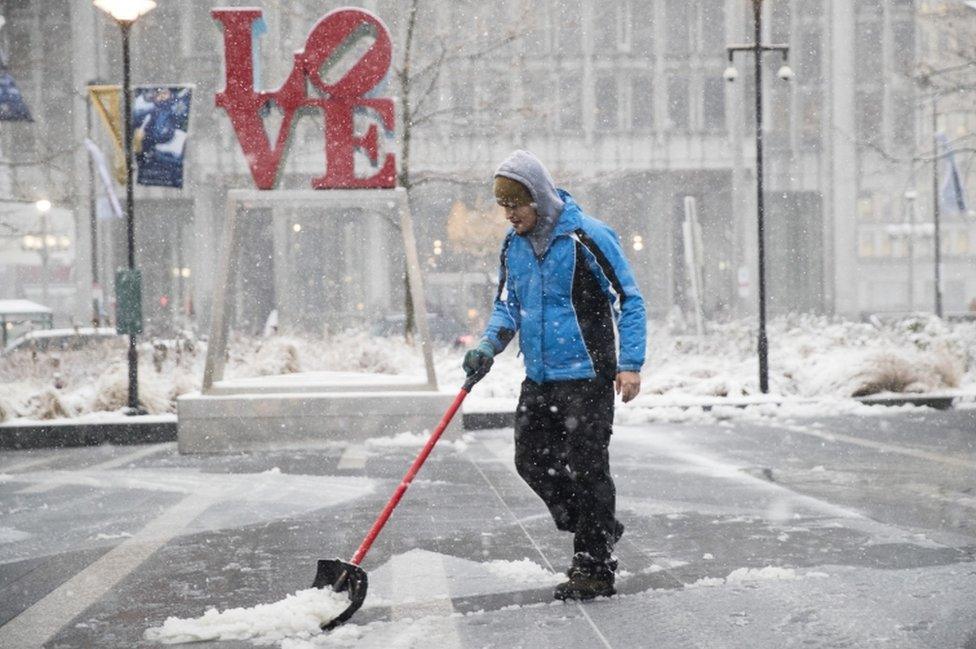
[(478, 356)]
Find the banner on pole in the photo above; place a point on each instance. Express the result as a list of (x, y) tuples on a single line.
[(12, 105), (107, 101), (99, 159), (952, 194), (160, 117)]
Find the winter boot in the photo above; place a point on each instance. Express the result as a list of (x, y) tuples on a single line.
[(618, 531), (588, 578)]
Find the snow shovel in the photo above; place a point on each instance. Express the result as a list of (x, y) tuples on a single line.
[(348, 576)]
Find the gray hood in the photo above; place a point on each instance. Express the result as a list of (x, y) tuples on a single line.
[(527, 169)]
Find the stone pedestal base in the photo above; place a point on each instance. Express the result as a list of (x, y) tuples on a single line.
[(303, 411)]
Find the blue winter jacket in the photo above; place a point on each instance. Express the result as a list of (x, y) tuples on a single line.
[(571, 305)]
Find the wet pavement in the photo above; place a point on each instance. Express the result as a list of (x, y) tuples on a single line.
[(855, 531)]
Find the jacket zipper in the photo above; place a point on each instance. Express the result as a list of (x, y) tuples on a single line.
[(542, 316), (542, 310)]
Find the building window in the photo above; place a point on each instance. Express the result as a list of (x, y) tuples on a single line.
[(462, 95), (538, 98), (961, 243), (678, 106), (884, 247), (676, 26), (873, 7), (899, 246), (642, 28), (870, 111), (570, 103), (779, 29), (497, 100), (642, 102), (812, 8), (868, 53), (779, 115), (865, 243), (713, 26), (810, 118), (606, 104), (903, 118), (865, 209), (714, 104), (608, 29), (903, 34), (537, 26), (570, 39), (811, 56)]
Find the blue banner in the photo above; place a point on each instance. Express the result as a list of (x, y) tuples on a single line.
[(160, 118), (12, 106), (952, 194)]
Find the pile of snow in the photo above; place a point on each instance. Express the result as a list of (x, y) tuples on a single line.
[(810, 357), (112, 392), (410, 440), (265, 356), (524, 571), (753, 575), (347, 351), (814, 356), (74, 383), (300, 615), (415, 576)]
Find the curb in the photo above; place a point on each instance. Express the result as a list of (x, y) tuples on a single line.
[(936, 402), (85, 434)]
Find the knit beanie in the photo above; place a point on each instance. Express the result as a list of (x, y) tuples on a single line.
[(511, 193)]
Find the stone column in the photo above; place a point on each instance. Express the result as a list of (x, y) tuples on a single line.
[(841, 200)]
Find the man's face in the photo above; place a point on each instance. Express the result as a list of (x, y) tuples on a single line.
[(523, 218)]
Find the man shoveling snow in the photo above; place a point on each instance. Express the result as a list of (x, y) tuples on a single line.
[(563, 286)]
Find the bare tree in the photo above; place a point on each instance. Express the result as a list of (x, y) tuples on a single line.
[(419, 75)]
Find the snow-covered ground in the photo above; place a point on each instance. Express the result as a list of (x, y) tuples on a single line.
[(833, 533), (811, 357)]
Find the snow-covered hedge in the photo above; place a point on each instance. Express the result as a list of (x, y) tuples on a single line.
[(809, 356)]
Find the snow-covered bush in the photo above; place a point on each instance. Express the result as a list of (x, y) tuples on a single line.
[(112, 392), (809, 356), (47, 404), (6, 410)]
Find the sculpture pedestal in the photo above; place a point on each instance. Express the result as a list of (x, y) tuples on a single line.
[(306, 410)]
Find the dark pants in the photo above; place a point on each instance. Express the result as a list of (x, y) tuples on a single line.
[(562, 431)]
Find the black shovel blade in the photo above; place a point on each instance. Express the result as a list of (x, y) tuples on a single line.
[(342, 576)]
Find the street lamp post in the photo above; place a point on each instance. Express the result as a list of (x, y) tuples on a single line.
[(92, 213), (936, 233), (125, 13), (43, 207), (785, 73), (911, 196)]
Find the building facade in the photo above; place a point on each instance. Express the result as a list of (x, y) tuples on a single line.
[(623, 99)]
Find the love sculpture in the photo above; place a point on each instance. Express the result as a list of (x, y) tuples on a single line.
[(339, 101), (335, 73)]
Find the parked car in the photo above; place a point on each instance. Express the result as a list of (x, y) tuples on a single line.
[(44, 340), (443, 328)]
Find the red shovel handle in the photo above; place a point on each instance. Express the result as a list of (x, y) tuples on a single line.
[(415, 467)]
